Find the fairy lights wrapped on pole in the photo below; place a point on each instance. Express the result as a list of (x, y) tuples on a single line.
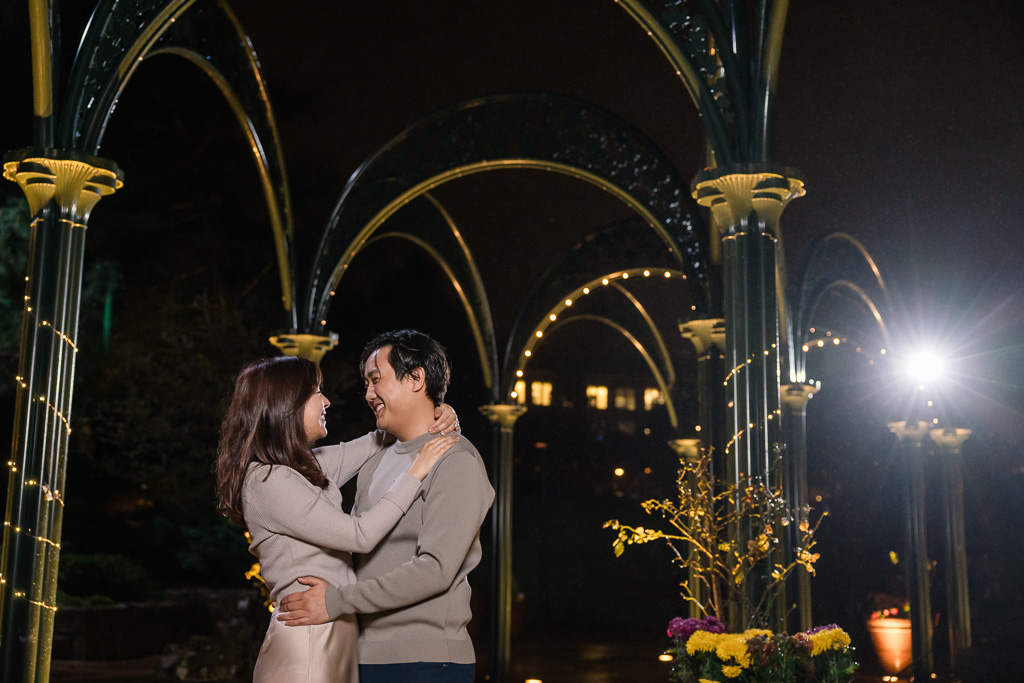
[(727, 56)]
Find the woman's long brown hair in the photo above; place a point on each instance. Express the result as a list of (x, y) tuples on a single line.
[(265, 424)]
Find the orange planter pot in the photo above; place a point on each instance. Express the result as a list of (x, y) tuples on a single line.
[(893, 645)]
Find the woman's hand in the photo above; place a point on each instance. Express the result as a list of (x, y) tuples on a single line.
[(445, 420), (430, 453)]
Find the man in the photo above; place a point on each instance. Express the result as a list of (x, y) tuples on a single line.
[(412, 594)]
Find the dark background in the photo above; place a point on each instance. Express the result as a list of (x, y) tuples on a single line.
[(903, 117)]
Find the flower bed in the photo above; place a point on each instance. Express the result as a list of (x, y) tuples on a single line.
[(703, 653)]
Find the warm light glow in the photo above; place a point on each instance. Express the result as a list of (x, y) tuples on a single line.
[(665, 657), (652, 397), (552, 317), (668, 274), (625, 276), (821, 342), (619, 471), (597, 397), (528, 353), (892, 641), (586, 290), (519, 373), (539, 334), (625, 398), (520, 392), (604, 281), (647, 273), (568, 302), (540, 393)]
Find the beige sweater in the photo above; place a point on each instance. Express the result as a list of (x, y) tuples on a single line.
[(412, 593), (298, 529)]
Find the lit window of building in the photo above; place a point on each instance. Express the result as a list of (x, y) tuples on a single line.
[(625, 398), (597, 397), (540, 393), (520, 391), (652, 397)]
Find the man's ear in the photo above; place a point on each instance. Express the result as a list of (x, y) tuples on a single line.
[(418, 377)]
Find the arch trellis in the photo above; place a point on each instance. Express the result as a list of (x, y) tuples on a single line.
[(124, 33), (548, 132)]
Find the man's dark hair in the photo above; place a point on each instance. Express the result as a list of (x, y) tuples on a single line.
[(411, 349)]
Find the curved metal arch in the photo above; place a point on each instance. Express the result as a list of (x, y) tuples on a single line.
[(818, 281), (123, 33), (551, 132), (525, 342), (622, 247), (443, 242), (663, 386), (730, 72)]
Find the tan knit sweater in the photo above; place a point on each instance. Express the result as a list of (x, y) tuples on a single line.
[(412, 594), (298, 529)]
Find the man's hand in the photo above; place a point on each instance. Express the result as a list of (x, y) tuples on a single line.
[(305, 608)]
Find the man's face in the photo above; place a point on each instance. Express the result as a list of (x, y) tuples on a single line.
[(388, 398)]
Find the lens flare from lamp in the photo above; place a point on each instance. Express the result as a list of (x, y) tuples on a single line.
[(925, 367)]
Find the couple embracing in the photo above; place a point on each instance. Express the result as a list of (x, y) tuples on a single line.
[(422, 495)]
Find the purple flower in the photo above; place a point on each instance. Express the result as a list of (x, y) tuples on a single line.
[(684, 628), (714, 625), (819, 629)]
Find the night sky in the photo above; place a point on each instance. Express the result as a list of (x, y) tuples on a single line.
[(904, 119)]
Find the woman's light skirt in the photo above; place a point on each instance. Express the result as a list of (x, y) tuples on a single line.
[(325, 653)]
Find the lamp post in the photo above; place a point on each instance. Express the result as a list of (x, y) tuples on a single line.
[(958, 606), (911, 434)]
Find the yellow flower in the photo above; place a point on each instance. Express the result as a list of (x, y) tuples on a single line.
[(733, 646), (701, 641), (732, 671), (832, 639)]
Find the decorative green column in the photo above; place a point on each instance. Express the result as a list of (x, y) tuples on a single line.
[(62, 188), (746, 202), (911, 434), (796, 397), (503, 416), (958, 602)]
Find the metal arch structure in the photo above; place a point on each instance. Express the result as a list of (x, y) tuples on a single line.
[(729, 68), (517, 131), (425, 223), (605, 254), (819, 279), (123, 33)]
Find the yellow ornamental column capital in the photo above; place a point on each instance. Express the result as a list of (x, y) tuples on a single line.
[(914, 432), (796, 396), (687, 448), (309, 346), (703, 333), (503, 414), (734, 192), (950, 439), (75, 181)]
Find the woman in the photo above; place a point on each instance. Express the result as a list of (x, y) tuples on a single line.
[(286, 494)]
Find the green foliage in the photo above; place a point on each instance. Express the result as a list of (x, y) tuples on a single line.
[(14, 236), (96, 578)]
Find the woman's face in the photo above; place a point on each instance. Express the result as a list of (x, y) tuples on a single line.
[(315, 416)]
